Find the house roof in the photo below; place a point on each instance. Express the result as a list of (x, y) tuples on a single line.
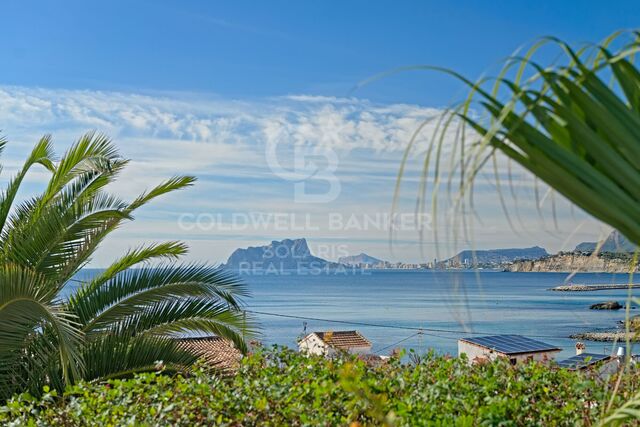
[(343, 339), (583, 360), (511, 344), (215, 351)]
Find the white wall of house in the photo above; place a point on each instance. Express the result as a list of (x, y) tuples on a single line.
[(311, 344), (477, 353)]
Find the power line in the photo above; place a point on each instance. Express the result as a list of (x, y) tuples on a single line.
[(346, 322), (397, 342), (374, 325), (377, 325)]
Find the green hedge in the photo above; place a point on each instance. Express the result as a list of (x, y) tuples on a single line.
[(281, 387)]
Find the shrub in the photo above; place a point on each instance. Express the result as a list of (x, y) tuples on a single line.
[(281, 387)]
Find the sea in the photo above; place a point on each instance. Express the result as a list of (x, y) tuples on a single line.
[(422, 310)]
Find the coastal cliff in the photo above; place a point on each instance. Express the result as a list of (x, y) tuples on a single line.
[(569, 262)]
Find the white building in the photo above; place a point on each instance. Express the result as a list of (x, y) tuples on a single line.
[(331, 342), (516, 348)]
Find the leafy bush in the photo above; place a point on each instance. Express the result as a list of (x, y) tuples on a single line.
[(282, 387)]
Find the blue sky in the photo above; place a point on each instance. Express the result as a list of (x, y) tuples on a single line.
[(204, 87), (256, 49)]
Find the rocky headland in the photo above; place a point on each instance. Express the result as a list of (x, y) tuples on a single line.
[(569, 262)]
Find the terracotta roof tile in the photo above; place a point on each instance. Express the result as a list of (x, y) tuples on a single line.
[(215, 351), (343, 340)]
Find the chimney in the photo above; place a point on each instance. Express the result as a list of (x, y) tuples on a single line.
[(580, 348)]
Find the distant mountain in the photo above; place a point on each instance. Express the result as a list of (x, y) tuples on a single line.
[(287, 254), (362, 259), (615, 242), (496, 256)]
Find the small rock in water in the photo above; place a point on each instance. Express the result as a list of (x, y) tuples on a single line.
[(607, 305)]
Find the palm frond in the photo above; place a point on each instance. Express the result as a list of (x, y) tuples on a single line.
[(159, 251), (50, 241), (92, 152), (130, 314), (93, 239), (624, 414), (27, 305), (132, 288), (173, 184), (41, 154), (187, 317), (563, 124), (114, 356)]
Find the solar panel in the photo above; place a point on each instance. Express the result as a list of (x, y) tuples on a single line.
[(511, 344), (580, 360)]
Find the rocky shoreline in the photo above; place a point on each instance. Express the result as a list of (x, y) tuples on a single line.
[(587, 288), (606, 336)]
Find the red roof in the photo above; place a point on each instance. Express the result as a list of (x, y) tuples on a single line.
[(215, 351), (343, 340)]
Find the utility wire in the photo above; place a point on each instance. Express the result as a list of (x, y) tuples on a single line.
[(419, 330), (397, 342), (377, 325)]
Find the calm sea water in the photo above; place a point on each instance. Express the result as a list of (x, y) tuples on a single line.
[(482, 302)]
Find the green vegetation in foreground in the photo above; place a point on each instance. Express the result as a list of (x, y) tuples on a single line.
[(282, 387)]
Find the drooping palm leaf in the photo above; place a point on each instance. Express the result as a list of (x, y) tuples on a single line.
[(133, 288), (119, 355), (188, 315), (574, 124)]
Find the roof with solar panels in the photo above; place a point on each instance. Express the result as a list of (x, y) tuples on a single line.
[(583, 361), (511, 344)]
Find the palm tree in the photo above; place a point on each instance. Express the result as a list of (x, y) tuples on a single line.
[(574, 124), (119, 322)]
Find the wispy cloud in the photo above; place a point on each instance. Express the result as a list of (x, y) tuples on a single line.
[(225, 144)]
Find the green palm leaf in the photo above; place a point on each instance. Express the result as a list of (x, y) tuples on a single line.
[(42, 154), (120, 355), (27, 308), (123, 290), (189, 316), (153, 252), (125, 319), (565, 125)]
